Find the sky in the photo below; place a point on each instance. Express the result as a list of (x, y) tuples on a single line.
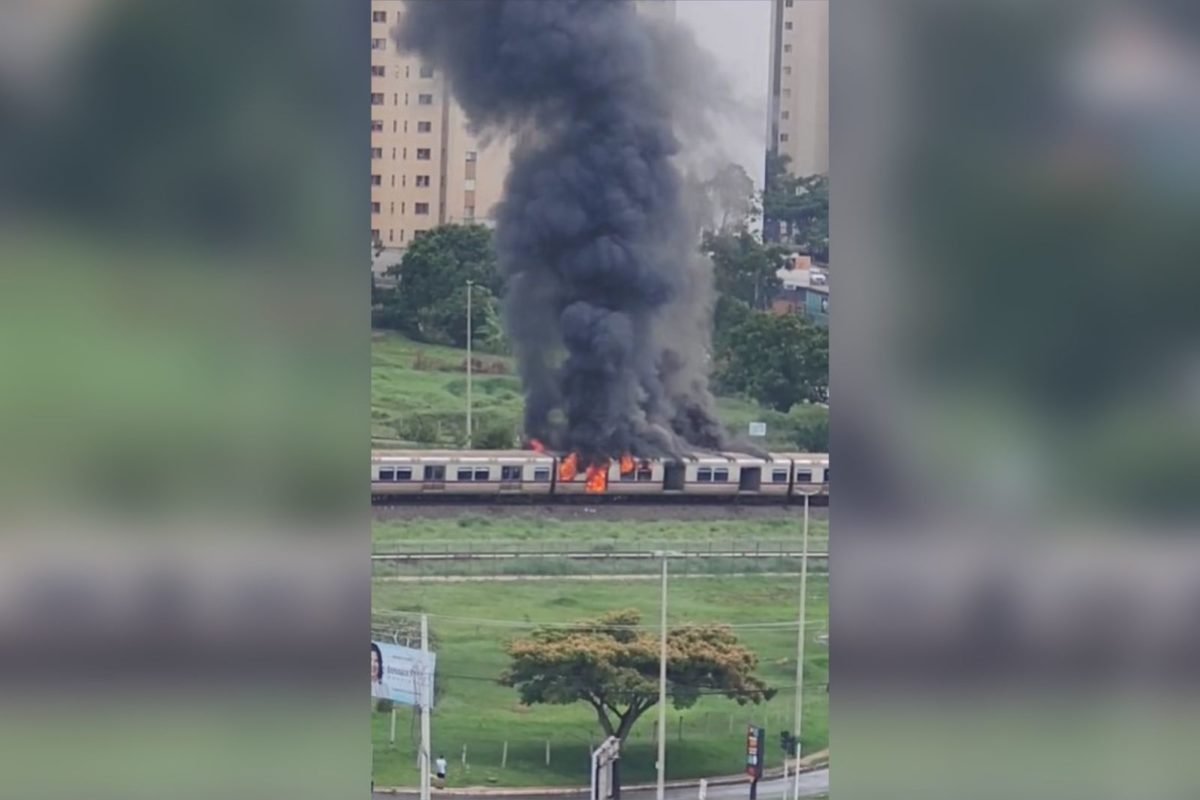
[(738, 34)]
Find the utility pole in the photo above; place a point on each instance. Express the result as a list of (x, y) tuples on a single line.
[(470, 284), (661, 791), (800, 646), (424, 697)]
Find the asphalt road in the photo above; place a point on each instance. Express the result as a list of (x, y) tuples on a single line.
[(812, 784)]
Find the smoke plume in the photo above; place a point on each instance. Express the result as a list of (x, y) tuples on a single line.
[(608, 303)]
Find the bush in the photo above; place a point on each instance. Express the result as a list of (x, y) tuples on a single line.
[(495, 436)]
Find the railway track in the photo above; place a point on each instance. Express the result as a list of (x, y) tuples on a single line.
[(613, 511)]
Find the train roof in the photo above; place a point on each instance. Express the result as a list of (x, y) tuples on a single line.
[(446, 453)]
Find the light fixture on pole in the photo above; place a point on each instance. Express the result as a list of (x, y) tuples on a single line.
[(802, 627), (470, 366)]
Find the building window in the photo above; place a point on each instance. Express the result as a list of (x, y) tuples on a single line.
[(469, 174), (424, 127), (787, 26), (787, 48), (381, 16), (402, 234), (396, 99), (379, 44), (391, 235), (376, 152), (421, 208), (787, 70), (424, 99), (469, 212), (786, 115), (426, 71), (422, 180), (379, 72), (376, 98), (423, 154), (825, 305), (787, 3), (393, 181), (393, 126), (376, 208), (374, 234), (377, 180), (783, 137), (471, 155), (787, 92), (377, 126)]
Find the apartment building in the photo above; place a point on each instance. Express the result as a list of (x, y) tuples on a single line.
[(426, 168), (798, 117)]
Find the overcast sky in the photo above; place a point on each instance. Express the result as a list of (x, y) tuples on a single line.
[(737, 33)]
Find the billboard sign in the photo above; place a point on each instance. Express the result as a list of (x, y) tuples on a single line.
[(758, 429), (755, 737), (402, 674)]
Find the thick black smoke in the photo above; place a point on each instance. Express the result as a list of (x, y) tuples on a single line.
[(608, 303)]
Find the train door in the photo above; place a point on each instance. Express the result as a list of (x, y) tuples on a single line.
[(673, 476), (750, 480)]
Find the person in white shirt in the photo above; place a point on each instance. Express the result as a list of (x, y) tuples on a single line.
[(440, 767)]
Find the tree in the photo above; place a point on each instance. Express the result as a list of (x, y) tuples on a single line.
[(612, 665), (730, 198), (778, 360), (744, 267), (429, 302), (796, 209)]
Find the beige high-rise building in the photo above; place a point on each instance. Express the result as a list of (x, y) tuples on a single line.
[(799, 112), (426, 169)]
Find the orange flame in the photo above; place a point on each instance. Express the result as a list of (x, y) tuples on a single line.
[(568, 467), (536, 446), (597, 478), (628, 465)]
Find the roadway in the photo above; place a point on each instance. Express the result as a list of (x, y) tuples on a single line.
[(812, 784)]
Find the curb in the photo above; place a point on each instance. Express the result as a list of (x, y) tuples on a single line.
[(812, 764)]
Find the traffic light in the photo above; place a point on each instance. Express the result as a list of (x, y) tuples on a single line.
[(787, 742)]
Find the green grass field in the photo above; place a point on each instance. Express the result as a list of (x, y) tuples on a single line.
[(477, 713), (418, 395), (479, 528)]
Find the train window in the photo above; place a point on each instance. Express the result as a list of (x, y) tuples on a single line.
[(466, 474), (628, 476), (435, 472), (483, 474), (704, 474), (720, 475), (510, 473), (404, 474), (826, 479), (779, 476), (804, 476), (541, 474), (644, 474), (387, 474)]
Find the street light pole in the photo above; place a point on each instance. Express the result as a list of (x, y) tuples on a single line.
[(661, 791), (800, 646), (469, 364)]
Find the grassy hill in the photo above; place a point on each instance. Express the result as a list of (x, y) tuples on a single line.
[(418, 397)]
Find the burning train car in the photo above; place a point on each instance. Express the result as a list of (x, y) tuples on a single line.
[(398, 475)]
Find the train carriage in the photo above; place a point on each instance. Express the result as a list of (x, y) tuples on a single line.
[(460, 472)]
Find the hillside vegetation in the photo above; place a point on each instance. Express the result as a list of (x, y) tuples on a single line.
[(418, 398)]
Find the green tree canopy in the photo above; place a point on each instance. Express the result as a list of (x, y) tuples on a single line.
[(778, 360), (429, 302), (797, 208), (613, 666), (744, 268)]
